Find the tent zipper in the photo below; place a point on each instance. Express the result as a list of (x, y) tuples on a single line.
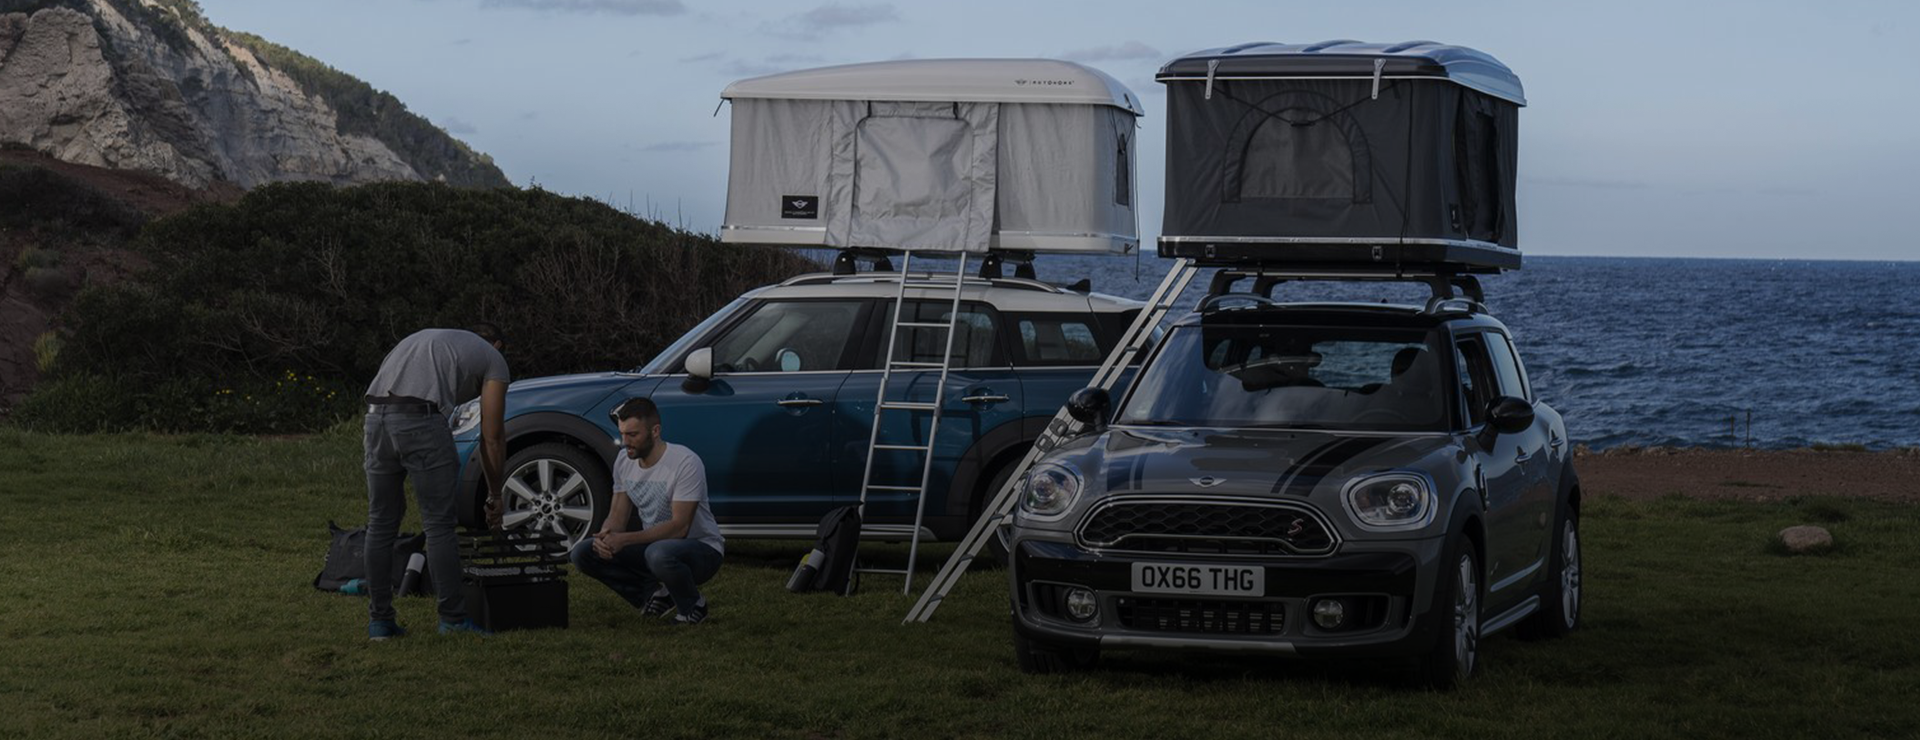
[(1378, 65), (1212, 64)]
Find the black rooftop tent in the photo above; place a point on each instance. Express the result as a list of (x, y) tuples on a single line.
[(1342, 152)]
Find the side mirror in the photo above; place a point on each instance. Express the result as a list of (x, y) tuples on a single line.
[(1089, 406), (1508, 414), (699, 371)]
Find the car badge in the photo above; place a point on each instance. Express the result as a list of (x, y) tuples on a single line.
[(1207, 481)]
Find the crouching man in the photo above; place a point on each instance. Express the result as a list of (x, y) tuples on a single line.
[(659, 568)]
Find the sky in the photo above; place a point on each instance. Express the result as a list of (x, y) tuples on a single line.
[(1682, 128)]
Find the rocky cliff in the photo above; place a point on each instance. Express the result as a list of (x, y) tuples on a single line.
[(150, 85)]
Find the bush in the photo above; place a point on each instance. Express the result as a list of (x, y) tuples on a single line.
[(320, 282), (89, 403)]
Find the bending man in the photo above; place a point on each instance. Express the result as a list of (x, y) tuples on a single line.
[(660, 567), (419, 383)]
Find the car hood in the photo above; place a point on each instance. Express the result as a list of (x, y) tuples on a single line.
[(568, 383), (569, 393), (1245, 463)]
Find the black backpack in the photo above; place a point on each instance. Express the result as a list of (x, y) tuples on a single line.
[(830, 566), (346, 560)]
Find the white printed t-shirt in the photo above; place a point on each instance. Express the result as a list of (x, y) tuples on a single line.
[(678, 476)]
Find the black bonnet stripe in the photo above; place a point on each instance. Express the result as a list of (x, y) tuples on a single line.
[(1302, 462), (1309, 475)]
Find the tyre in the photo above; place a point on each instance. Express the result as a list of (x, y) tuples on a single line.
[(1456, 648), (556, 487), (1559, 613), (1039, 658)]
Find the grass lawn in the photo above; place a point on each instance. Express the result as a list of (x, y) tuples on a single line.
[(159, 586)]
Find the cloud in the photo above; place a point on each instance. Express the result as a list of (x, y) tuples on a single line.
[(1127, 52), (771, 65), (610, 7), (457, 127), (832, 17), (711, 56), (678, 146), (1577, 182)]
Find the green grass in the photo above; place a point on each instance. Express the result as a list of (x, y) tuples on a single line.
[(158, 586)]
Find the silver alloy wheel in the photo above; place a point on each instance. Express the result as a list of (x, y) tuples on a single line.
[(1570, 575), (548, 494), (1466, 617)]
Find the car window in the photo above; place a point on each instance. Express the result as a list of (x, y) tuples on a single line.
[(973, 344), (1507, 367), (659, 363), (788, 336), (1477, 384), (1064, 339)]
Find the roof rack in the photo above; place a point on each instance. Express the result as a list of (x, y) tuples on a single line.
[(1453, 288)]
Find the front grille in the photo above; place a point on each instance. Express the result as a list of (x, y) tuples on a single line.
[(1206, 528), (1205, 616)]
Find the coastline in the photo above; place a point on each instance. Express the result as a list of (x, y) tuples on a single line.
[(1750, 475)]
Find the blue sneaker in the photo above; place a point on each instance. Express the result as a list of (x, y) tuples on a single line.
[(384, 629), (465, 625)]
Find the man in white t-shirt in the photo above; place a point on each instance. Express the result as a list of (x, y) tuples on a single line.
[(660, 567)]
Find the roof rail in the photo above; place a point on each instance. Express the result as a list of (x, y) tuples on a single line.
[(1444, 283)]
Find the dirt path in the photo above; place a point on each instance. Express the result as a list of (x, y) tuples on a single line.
[(1756, 475)]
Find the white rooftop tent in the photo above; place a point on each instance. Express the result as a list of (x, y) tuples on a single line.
[(957, 155)]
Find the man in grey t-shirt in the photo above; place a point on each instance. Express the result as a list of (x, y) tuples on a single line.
[(407, 435), (658, 568)]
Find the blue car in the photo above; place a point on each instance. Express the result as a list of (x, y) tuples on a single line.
[(784, 420)]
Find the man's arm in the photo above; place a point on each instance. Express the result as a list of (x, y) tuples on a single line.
[(493, 447), (617, 514)]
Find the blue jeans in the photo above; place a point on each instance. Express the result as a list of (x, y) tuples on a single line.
[(398, 446), (636, 571)]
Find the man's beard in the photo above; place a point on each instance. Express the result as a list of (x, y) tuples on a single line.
[(644, 450)]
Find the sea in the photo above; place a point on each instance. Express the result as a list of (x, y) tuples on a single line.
[(1712, 353)]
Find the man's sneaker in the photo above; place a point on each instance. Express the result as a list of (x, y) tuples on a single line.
[(465, 625), (384, 629), (692, 616), (659, 604)]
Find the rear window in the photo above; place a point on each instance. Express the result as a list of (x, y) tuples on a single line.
[(1058, 339)]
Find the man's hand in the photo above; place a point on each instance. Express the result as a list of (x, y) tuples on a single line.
[(496, 509), (605, 544)]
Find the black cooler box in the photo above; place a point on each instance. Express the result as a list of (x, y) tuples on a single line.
[(515, 580), (1342, 153)]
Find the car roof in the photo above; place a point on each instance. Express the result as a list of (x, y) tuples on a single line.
[(1005, 294)]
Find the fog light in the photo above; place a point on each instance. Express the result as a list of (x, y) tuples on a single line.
[(1081, 605), (1329, 613)]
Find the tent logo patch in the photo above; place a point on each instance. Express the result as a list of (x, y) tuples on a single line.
[(799, 206)]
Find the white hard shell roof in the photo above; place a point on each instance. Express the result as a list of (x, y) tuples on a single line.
[(946, 80)]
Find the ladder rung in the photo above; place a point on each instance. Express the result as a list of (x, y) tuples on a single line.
[(876, 487), (914, 363), (893, 571), (916, 448), (908, 406), (925, 325)]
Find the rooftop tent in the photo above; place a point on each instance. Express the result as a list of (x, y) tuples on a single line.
[(1342, 152), (949, 155)]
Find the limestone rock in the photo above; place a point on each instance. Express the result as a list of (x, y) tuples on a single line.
[(1806, 538), (172, 97)]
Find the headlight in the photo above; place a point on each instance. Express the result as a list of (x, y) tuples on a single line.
[(1391, 502), (1049, 490), (465, 417)]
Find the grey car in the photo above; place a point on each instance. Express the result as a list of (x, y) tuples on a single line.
[(1335, 480)]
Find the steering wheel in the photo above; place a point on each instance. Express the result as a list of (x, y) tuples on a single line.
[(746, 365)]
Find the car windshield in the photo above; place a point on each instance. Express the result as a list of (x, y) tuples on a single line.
[(1293, 377), (660, 362)]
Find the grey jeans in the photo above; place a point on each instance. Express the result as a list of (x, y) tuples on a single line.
[(418, 445)]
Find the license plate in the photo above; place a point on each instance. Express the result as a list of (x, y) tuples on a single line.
[(1206, 580)]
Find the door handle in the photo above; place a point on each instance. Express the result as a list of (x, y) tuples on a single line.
[(793, 402), (985, 398)]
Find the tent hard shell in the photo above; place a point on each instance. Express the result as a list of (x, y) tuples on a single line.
[(1342, 152), (954, 155)]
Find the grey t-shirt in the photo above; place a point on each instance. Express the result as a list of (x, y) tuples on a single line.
[(678, 476), (445, 366)]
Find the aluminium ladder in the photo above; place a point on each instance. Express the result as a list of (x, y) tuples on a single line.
[(1061, 428), (883, 405)]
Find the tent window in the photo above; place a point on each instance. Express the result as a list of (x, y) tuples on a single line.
[(1122, 176), (1477, 147), (1285, 159), (911, 168)]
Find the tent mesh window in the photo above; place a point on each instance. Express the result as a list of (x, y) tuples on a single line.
[(1297, 144)]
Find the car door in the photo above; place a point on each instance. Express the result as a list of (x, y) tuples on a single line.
[(983, 391), (764, 425), (1534, 457), (1503, 466)]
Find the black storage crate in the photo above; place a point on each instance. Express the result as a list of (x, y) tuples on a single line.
[(1342, 153), (516, 579)]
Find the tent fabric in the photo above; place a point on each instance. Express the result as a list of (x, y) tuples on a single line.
[(1326, 159), (928, 175)]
